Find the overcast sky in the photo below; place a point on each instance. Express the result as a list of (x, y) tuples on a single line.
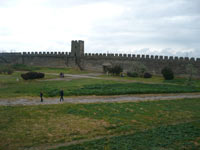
[(163, 27)]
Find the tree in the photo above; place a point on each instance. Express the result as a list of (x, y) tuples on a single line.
[(115, 70), (167, 73)]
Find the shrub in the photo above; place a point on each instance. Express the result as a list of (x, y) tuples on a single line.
[(132, 74), (32, 75), (139, 68), (116, 70), (167, 73), (147, 75)]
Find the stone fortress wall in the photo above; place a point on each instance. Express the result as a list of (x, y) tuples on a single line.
[(95, 62)]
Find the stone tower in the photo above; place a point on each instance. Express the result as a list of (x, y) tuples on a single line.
[(77, 48)]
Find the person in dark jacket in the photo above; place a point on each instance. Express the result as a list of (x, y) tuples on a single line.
[(61, 95), (41, 96)]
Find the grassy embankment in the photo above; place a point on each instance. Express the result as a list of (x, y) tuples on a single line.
[(150, 125)]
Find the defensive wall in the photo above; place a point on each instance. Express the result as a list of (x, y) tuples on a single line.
[(96, 61), (91, 61)]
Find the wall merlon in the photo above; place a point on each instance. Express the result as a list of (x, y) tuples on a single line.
[(192, 59), (165, 57), (138, 56), (147, 56), (181, 58), (156, 57), (187, 58), (171, 58), (129, 55), (143, 56), (161, 57)]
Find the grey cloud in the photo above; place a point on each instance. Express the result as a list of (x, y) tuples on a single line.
[(172, 25)]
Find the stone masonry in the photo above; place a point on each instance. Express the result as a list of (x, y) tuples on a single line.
[(91, 61)]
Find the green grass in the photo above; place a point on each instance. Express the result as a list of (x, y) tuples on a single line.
[(14, 86), (172, 137), (166, 124), (63, 70), (11, 87), (132, 88), (156, 79)]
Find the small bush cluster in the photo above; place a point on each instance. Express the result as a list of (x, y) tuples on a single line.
[(32, 75), (135, 74), (116, 70), (147, 75), (167, 73)]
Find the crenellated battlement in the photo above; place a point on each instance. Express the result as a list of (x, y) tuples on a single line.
[(45, 53), (95, 61), (142, 57), (104, 55)]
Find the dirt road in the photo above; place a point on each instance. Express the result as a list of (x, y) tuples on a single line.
[(96, 99)]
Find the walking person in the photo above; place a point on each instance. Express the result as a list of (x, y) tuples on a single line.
[(61, 95), (41, 96)]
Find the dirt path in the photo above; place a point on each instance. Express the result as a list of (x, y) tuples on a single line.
[(96, 99), (54, 146)]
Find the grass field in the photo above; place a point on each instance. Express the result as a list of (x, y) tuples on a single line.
[(156, 79), (183, 136), (149, 125), (14, 86), (10, 87)]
